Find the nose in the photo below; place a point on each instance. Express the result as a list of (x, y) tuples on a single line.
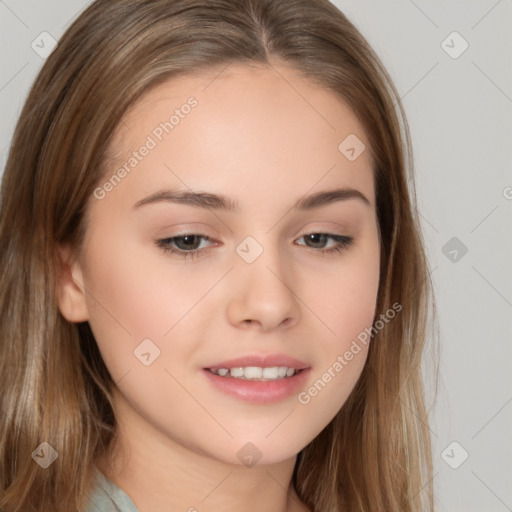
[(263, 296)]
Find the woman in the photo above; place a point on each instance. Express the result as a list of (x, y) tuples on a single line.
[(275, 365)]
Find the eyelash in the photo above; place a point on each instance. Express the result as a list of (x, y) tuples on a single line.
[(343, 242)]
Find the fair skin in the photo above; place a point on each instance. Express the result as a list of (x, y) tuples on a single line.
[(266, 140)]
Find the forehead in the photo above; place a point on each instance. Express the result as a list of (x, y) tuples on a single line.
[(264, 126)]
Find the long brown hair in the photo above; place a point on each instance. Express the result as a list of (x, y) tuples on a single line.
[(375, 455)]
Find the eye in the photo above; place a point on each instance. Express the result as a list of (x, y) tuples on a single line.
[(341, 242), (189, 245)]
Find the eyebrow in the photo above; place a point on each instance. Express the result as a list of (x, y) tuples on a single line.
[(219, 202)]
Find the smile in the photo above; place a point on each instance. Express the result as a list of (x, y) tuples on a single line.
[(258, 373)]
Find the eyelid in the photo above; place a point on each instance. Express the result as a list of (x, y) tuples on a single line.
[(343, 242)]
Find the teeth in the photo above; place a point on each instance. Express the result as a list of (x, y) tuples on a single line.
[(256, 372), (270, 373), (237, 372), (252, 372)]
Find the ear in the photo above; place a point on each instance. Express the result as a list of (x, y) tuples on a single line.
[(70, 289)]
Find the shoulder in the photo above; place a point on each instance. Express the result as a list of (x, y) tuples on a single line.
[(107, 496)]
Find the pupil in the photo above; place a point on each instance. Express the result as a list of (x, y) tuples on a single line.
[(189, 240), (315, 238)]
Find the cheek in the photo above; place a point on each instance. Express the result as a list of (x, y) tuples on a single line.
[(346, 305), (347, 299), (351, 305), (126, 304), (133, 288), (135, 295)]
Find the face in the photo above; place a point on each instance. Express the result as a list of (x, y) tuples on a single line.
[(262, 271)]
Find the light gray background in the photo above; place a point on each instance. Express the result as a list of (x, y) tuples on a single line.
[(459, 110)]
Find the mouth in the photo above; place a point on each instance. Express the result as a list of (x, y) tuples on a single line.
[(256, 373), (259, 379)]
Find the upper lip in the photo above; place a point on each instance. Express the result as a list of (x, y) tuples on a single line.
[(261, 360)]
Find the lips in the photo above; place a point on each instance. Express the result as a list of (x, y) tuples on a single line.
[(259, 391), (260, 360)]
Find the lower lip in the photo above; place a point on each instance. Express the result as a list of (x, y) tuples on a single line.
[(259, 392)]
